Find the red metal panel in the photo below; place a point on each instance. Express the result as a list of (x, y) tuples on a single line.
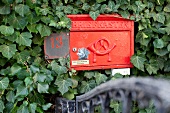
[(102, 23), (105, 43)]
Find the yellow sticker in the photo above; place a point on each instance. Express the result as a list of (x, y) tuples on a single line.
[(80, 62)]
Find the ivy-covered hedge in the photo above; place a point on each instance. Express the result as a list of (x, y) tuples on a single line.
[(29, 83)]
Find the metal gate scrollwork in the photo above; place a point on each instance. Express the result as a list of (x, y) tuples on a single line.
[(126, 90)]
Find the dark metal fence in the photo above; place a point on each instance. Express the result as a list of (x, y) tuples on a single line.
[(126, 90)]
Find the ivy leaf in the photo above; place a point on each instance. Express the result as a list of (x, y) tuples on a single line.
[(167, 29), (158, 43), (32, 28), (15, 69), (140, 6), (161, 62), (10, 96), (161, 52), (5, 9), (46, 106), (24, 39), (160, 17), (69, 95), (103, 8), (32, 107), (22, 91), (59, 14), (17, 22), (58, 69), (108, 71), (122, 2), (5, 71), (86, 6), (68, 9), (8, 51), (117, 75), (46, 20), (167, 66), (37, 98), (59, 8), (43, 87), (33, 18), (53, 23), (2, 41), (2, 107), (44, 11), (22, 109), (142, 38), (17, 83), (152, 67), (6, 30), (74, 83), (138, 62), (22, 9), (100, 1), (7, 1), (64, 21), (4, 83), (94, 14), (23, 56), (12, 37), (43, 30), (9, 107), (31, 4), (87, 86), (116, 106), (28, 81), (167, 8), (3, 61), (23, 73), (66, 1), (89, 74), (125, 14), (18, 1), (37, 61), (63, 85), (112, 7), (38, 40), (34, 69), (95, 7), (159, 8), (39, 77), (168, 47), (100, 78), (36, 51)]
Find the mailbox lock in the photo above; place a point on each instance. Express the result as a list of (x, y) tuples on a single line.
[(74, 49)]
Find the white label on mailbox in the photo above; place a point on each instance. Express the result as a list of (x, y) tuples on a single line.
[(123, 71), (80, 62)]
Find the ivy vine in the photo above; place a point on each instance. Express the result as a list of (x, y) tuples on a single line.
[(27, 80)]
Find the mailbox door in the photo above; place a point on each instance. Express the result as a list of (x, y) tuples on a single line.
[(98, 50)]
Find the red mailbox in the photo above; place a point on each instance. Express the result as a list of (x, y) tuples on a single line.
[(107, 42)]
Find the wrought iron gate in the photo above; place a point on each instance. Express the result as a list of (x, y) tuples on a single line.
[(141, 90)]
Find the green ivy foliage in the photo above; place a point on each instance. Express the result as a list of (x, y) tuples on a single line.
[(28, 81)]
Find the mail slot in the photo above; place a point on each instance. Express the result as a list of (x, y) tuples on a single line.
[(107, 42)]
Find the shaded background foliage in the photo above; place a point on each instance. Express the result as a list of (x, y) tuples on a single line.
[(29, 83)]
